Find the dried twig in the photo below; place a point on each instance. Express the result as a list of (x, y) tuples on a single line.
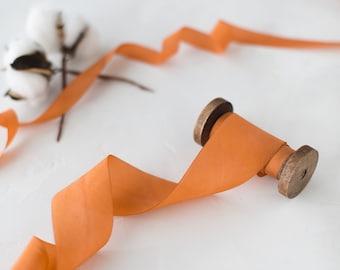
[(110, 77), (64, 84)]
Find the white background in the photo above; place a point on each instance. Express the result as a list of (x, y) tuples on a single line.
[(293, 94)]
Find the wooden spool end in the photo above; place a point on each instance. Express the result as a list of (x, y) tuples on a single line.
[(296, 172), (208, 117)]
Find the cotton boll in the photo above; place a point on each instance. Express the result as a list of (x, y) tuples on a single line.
[(18, 47), (27, 71), (41, 26), (31, 86), (74, 25)]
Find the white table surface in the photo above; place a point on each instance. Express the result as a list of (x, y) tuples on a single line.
[(293, 94)]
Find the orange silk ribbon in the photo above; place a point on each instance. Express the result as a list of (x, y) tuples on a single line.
[(83, 212)]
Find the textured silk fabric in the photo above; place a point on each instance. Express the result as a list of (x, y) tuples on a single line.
[(83, 212)]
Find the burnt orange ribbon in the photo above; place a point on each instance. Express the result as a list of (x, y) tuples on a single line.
[(83, 212)]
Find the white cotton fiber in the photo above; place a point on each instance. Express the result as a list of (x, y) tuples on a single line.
[(73, 26), (19, 47), (41, 27), (33, 87)]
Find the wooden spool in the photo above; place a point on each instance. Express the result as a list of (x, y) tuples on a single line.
[(294, 173)]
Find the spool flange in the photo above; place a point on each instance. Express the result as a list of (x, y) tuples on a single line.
[(294, 173)]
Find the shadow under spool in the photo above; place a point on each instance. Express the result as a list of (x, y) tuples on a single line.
[(292, 168)]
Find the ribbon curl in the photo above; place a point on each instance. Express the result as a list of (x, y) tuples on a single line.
[(83, 212), (216, 42)]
